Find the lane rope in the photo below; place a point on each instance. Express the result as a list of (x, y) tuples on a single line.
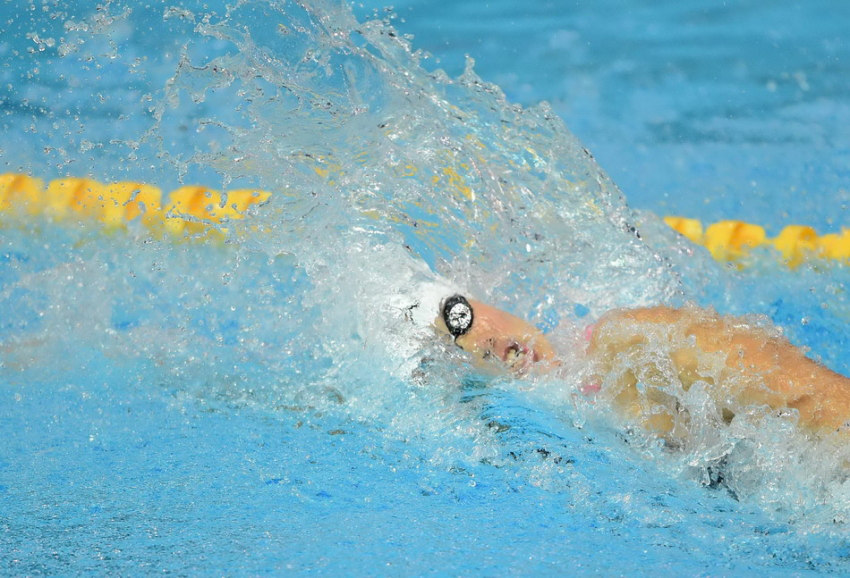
[(732, 241), (187, 211), (200, 211)]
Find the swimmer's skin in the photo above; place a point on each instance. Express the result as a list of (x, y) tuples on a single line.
[(496, 334), (740, 364)]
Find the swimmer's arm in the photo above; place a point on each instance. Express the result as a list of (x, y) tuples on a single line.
[(755, 367)]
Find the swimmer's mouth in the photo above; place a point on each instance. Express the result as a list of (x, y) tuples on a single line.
[(519, 355)]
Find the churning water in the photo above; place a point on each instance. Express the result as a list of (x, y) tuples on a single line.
[(260, 405)]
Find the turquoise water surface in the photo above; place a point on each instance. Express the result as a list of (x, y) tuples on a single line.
[(257, 406)]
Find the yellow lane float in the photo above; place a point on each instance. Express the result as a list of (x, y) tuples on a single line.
[(200, 211), (732, 240), (188, 210)]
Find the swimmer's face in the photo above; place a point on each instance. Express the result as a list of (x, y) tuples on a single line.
[(491, 334)]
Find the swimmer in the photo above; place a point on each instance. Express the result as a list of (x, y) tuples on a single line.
[(489, 333), (635, 354)]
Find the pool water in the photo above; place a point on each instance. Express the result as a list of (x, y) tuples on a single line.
[(254, 406), (731, 107)]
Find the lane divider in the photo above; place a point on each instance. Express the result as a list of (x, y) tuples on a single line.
[(189, 210), (200, 211), (734, 240)]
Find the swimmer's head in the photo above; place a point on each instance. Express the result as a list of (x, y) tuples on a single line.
[(489, 333)]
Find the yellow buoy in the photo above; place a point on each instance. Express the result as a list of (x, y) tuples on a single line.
[(202, 212), (730, 240)]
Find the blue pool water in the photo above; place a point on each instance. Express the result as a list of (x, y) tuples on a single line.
[(253, 406), (731, 106)]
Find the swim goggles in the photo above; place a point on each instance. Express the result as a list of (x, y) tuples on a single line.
[(457, 313)]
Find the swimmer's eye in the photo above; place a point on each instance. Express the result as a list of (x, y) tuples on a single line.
[(457, 313)]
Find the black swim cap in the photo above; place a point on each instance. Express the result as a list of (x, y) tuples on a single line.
[(457, 313)]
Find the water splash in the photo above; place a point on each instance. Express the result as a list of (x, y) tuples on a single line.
[(384, 172)]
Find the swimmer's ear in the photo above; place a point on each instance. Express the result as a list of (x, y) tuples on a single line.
[(457, 315)]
